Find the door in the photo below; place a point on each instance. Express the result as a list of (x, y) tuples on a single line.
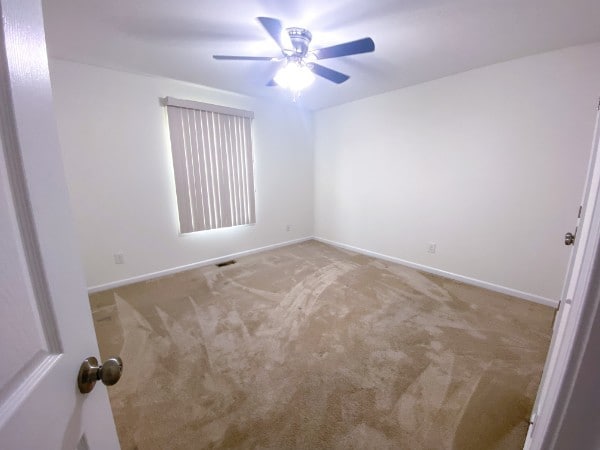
[(571, 305), (46, 328)]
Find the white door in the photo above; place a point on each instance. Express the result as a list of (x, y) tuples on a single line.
[(45, 321), (569, 314)]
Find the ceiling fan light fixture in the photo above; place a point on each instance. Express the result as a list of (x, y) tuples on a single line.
[(299, 60), (295, 76)]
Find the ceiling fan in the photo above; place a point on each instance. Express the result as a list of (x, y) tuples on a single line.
[(298, 59)]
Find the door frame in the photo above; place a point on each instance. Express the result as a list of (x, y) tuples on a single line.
[(584, 306)]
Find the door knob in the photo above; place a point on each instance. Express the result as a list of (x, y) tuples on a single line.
[(90, 372), (569, 239)]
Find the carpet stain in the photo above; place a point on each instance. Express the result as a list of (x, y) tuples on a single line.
[(312, 347)]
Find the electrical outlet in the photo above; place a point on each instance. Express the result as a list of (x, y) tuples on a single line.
[(119, 258), (288, 228), (432, 247)]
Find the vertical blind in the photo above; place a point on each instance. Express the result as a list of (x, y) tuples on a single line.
[(213, 166)]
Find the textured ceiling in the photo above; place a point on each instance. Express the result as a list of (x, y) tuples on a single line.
[(415, 40)]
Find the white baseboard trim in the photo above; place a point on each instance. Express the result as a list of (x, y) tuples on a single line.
[(483, 284), (453, 276), (206, 262)]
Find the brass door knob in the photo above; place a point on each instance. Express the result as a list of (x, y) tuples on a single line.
[(90, 372)]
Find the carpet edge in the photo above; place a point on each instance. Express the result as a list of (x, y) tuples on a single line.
[(453, 276), (204, 262)]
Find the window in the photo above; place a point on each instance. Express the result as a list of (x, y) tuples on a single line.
[(212, 162)]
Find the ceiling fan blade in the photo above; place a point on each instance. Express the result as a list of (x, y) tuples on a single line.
[(364, 45), (330, 74), (244, 58), (277, 32)]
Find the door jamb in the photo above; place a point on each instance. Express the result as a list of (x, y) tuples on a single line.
[(584, 307)]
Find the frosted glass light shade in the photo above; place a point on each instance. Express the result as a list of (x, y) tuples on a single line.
[(294, 76)]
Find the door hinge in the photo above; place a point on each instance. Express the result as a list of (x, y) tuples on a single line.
[(555, 314), (532, 422), (579, 213), (598, 103)]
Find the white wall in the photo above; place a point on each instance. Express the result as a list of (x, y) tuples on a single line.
[(488, 164), (115, 143)]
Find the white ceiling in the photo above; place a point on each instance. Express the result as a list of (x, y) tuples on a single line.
[(415, 40)]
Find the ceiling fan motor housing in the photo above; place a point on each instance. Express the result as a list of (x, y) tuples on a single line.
[(300, 38)]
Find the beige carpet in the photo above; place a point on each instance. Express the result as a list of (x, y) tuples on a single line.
[(312, 347)]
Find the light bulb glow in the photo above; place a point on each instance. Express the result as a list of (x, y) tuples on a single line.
[(294, 76)]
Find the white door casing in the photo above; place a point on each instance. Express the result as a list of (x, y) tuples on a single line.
[(574, 303), (46, 328)]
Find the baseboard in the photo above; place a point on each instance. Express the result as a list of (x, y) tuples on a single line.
[(453, 276), (206, 262)]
